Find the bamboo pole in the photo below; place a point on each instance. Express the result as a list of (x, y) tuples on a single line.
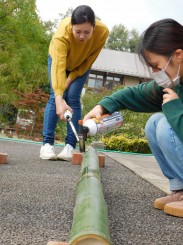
[(90, 217)]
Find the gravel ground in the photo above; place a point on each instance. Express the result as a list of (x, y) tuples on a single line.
[(37, 198)]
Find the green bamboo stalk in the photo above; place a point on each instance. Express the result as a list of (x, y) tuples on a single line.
[(90, 217)]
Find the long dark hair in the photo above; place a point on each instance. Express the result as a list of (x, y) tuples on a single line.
[(162, 37), (83, 14)]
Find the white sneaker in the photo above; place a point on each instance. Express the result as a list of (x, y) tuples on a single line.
[(47, 152), (66, 153)]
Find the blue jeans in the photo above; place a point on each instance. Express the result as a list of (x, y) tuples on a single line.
[(72, 98), (167, 148)]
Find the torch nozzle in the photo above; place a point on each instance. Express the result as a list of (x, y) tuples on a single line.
[(68, 116)]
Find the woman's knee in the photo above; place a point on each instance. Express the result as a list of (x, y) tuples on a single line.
[(73, 101), (164, 132), (152, 123)]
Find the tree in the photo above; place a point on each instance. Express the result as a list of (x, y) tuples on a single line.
[(66, 14), (23, 48), (122, 39), (133, 40), (33, 102), (118, 38)]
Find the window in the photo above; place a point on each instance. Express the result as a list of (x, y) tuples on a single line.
[(95, 81), (112, 81), (109, 84), (91, 83)]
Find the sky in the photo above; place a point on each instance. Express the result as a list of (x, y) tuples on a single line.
[(137, 14)]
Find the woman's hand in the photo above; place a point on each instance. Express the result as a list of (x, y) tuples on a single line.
[(96, 112), (169, 95), (61, 107)]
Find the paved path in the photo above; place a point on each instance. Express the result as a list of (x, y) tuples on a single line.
[(143, 165), (37, 199)]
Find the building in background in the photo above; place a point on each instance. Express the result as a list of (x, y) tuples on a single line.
[(114, 67)]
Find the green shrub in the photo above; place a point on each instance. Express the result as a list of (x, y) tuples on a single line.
[(121, 143), (61, 131)]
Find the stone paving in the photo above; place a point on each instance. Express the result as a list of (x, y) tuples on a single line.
[(37, 198)]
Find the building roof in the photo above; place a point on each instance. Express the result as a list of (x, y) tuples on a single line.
[(120, 62)]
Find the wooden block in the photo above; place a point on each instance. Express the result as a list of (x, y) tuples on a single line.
[(3, 158), (77, 158), (101, 160), (57, 243)]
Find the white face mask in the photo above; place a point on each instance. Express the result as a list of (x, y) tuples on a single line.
[(163, 80)]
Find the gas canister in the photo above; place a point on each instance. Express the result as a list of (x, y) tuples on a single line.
[(106, 123)]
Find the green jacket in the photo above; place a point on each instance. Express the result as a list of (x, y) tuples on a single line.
[(148, 97)]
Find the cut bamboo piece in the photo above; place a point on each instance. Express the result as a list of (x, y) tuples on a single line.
[(90, 217)]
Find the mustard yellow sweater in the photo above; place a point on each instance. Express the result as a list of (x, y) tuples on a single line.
[(68, 54)]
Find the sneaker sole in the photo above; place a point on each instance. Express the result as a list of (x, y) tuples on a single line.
[(174, 211), (159, 205), (64, 158), (48, 158)]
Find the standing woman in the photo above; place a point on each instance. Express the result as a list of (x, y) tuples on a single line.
[(72, 51), (161, 47)]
